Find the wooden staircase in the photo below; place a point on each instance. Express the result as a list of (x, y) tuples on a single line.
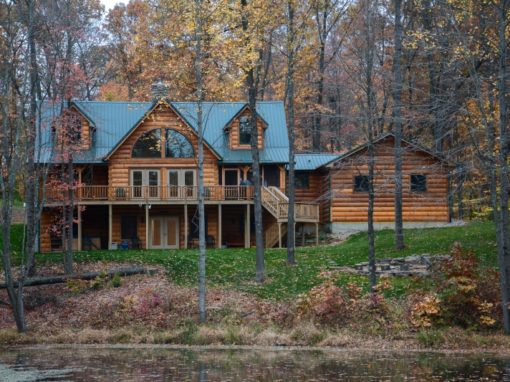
[(277, 204), (272, 235)]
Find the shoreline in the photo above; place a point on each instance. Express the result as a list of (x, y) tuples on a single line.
[(256, 348)]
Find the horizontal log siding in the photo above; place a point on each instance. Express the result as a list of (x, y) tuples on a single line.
[(45, 240), (317, 192), (162, 117), (350, 206)]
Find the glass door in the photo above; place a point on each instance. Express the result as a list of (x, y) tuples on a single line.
[(145, 179), (181, 184), (164, 232)]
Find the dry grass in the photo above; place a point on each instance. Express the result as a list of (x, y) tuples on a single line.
[(151, 310)]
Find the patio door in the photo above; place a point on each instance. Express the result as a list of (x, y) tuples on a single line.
[(147, 178), (181, 184), (164, 232)]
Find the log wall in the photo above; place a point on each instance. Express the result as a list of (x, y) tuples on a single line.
[(348, 205)]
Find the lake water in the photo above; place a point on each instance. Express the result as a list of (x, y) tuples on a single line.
[(163, 364)]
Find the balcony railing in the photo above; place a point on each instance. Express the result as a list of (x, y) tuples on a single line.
[(152, 193)]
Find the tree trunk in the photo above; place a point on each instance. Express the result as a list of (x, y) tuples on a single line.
[(257, 200), (291, 233), (503, 222), (201, 206), (31, 176), (69, 219), (369, 62), (397, 117)]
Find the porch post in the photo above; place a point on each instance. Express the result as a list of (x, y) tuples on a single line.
[(185, 226), (279, 235), (316, 233), (79, 227), (146, 226), (220, 228), (110, 225), (247, 228)]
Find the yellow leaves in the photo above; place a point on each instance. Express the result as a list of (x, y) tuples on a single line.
[(425, 311)]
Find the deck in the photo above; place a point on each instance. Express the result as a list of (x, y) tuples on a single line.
[(273, 200)]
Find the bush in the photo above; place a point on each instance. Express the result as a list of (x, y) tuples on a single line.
[(116, 281), (466, 295)]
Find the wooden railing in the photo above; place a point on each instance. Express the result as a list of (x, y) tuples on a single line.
[(272, 199), (276, 202), (152, 193)]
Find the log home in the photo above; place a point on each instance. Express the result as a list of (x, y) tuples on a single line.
[(136, 178)]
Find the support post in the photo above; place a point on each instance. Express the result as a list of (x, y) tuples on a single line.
[(247, 228), (316, 233), (279, 235), (79, 227), (146, 226), (110, 225), (185, 226), (220, 228)]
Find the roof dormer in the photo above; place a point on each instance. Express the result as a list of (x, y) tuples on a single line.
[(239, 130)]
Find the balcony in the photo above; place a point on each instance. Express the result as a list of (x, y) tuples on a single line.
[(146, 194)]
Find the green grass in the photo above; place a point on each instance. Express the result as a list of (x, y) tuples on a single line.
[(235, 268)]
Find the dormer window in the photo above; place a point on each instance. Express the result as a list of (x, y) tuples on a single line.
[(244, 130)]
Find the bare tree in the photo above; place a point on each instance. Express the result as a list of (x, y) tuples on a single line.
[(199, 14), (397, 124), (252, 90)]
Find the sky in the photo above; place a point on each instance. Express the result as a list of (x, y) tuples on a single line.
[(108, 4)]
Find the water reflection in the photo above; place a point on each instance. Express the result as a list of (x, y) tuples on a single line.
[(159, 364)]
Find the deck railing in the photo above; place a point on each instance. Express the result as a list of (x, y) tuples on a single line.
[(152, 193), (272, 200)]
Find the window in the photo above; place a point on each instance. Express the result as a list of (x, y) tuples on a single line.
[(361, 183), (177, 145), (148, 145), (128, 227), (418, 183), (145, 183), (244, 131), (181, 183), (302, 180)]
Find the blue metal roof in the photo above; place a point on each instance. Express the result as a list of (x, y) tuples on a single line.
[(113, 120), (310, 162)]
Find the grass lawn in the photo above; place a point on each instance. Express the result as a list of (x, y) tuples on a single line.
[(235, 268)]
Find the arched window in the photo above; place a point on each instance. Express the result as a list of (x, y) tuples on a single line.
[(148, 145), (177, 145)]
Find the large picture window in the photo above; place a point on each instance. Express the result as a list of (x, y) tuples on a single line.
[(244, 131), (177, 145), (148, 145)]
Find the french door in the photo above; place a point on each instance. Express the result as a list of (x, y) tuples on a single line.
[(164, 232), (181, 184), (147, 178)]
